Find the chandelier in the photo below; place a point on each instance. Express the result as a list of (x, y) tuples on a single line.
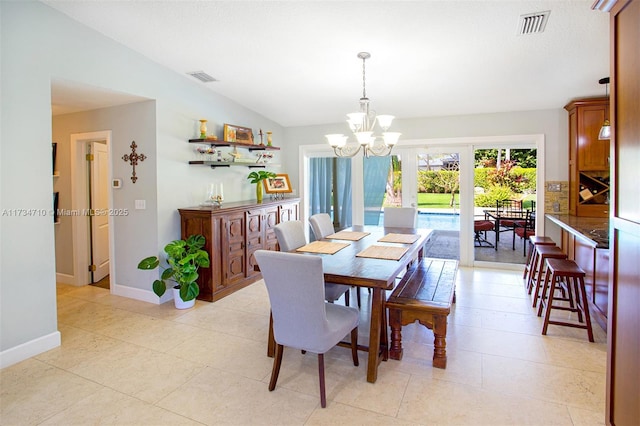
[(362, 125)]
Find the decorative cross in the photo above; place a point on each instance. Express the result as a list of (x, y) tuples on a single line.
[(133, 160)]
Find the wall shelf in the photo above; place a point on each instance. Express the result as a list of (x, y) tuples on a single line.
[(214, 164), (235, 144)]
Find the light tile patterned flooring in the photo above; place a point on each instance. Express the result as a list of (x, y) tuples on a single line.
[(125, 362)]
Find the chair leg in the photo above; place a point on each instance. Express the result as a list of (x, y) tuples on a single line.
[(358, 296), (276, 367), (323, 396), (354, 346), (346, 297)]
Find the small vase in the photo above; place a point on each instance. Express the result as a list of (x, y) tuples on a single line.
[(179, 303), (259, 191), (203, 129)]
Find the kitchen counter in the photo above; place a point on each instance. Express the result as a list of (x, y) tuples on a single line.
[(585, 240), (594, 229)]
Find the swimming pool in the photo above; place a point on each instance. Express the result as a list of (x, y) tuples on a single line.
[(444, 221)]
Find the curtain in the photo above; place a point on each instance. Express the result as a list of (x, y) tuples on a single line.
[(376, 173), (330, 189)]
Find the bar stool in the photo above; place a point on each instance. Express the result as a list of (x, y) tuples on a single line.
[(534, 240), (540, 254), (567, 272)]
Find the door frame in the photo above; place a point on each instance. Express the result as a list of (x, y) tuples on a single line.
[(80, 204)]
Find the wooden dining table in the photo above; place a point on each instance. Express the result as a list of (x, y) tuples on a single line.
[(379, 275)]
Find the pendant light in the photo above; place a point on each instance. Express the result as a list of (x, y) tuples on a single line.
[(605, 130)]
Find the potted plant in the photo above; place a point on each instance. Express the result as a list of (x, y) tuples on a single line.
[(257, 178), (184, 258)]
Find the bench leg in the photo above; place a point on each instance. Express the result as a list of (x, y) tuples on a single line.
[(395, 321), (440, 341)]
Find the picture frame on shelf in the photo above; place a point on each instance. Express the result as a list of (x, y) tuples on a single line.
[(277, 185), (238, 134)]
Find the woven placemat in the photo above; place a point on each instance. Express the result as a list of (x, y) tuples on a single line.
[(323, 247), (400, 238), (348, 235), (383, 252)]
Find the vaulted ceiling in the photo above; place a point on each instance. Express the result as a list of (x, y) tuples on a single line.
[(296, 62)]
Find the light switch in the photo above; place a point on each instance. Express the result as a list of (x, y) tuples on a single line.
[(141, 204)]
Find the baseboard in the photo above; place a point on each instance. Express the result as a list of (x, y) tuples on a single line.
[(499, 265), (140, 294), (29, 349), (65, 279)]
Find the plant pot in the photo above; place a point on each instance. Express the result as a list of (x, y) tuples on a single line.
[(179, 303)]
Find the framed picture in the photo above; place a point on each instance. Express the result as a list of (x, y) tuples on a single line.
[(238, 134), (54, 153), (278, 184)]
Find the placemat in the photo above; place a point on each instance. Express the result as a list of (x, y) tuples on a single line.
[(400, 238), (348, 235), (323, 247), (383, 252)]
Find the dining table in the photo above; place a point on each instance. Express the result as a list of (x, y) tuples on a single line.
[(498, 215), (370, 257)]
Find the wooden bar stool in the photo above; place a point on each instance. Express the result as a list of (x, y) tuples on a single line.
[(536, 274), (534, 240), (566, 271)]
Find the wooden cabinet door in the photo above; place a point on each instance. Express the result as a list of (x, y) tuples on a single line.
[(288, 212), (593, 154), (233, 253), (270, 220), (255, 237)]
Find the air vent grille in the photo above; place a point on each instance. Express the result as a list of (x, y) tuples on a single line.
[(533, 23), (202, 76)]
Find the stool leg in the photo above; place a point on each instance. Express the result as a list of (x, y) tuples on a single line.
[(542, 295), (549, 304), (585, 307), (532, 271), (539, 281)]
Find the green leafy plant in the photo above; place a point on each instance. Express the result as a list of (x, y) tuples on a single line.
[(184, 258), (257, 177)]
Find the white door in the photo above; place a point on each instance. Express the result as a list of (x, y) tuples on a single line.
[(100, 204)]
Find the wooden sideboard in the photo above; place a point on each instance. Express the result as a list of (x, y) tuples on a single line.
[(233, 233)]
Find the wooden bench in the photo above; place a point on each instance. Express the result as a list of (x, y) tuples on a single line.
[(424, 294)]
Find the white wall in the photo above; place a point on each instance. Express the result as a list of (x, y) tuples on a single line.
[(40, 45)]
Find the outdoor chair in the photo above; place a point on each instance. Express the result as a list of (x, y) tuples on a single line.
[(524, 229), (291, 236), (301, 318)]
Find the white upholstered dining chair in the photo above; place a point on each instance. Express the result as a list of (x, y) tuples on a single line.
[(301, 318), (291, 236), (400, 217), (321, 225)]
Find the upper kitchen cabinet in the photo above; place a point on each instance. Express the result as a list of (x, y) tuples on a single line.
[(589, 168)]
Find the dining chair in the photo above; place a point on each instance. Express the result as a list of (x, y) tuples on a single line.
[(322, 226), (290, 235), (401, 217), (301, 318), (524, 229)]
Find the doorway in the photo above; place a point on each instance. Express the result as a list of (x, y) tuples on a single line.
[(92, 197)]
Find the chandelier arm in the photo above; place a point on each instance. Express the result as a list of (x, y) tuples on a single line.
[(378, 150), (346, 151)]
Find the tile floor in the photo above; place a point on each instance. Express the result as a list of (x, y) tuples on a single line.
[(124, 362)]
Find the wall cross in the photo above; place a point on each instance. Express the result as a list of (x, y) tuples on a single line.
[(133, 159)]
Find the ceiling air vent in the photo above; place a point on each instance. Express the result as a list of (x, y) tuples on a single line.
[(533, 23), (202, 76)]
